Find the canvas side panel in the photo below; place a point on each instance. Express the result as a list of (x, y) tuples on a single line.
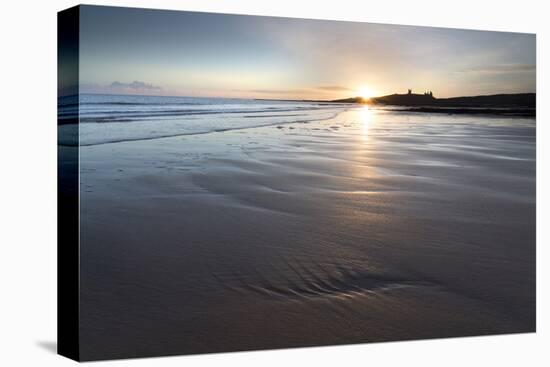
[(68, 184)]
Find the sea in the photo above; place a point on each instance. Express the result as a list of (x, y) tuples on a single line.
[(117, 118)]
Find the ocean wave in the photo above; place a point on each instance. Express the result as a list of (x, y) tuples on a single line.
[(96, 134), (115, 116), (112, 119)]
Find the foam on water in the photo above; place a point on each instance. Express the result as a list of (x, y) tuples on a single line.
[(115, 118)]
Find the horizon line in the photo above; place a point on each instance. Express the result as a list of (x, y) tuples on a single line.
[(281, 99)]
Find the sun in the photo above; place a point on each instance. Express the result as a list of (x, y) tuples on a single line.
[(366, 92)]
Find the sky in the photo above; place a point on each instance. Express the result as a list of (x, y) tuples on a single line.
[(155, 52)]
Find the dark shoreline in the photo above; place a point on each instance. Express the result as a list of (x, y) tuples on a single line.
[(508, 112), (513, 105)]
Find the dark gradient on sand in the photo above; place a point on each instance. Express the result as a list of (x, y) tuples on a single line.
[(373, 226)]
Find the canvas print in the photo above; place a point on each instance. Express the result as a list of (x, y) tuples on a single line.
[(233, 182)]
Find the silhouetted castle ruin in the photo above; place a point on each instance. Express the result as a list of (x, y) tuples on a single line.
[(410, 99), (428, 93)]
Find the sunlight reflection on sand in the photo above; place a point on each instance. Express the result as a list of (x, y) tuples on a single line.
[(366, 117)]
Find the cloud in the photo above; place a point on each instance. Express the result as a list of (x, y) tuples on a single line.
[(323, 88), (333, 88), (267, 91), (135, 85), (503, 68), (275, 91)]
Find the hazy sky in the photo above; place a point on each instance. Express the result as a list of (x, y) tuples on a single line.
[(199, 54)]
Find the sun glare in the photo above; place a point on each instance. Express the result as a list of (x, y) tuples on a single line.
[(366, 92)]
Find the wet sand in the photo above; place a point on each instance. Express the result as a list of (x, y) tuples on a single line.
[(373, 226)]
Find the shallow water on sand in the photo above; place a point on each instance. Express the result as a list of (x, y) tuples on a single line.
[(372, 226)]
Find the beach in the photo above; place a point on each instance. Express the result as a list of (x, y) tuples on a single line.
[(359, 225)]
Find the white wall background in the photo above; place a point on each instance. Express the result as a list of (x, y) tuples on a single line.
[(28, 182)]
